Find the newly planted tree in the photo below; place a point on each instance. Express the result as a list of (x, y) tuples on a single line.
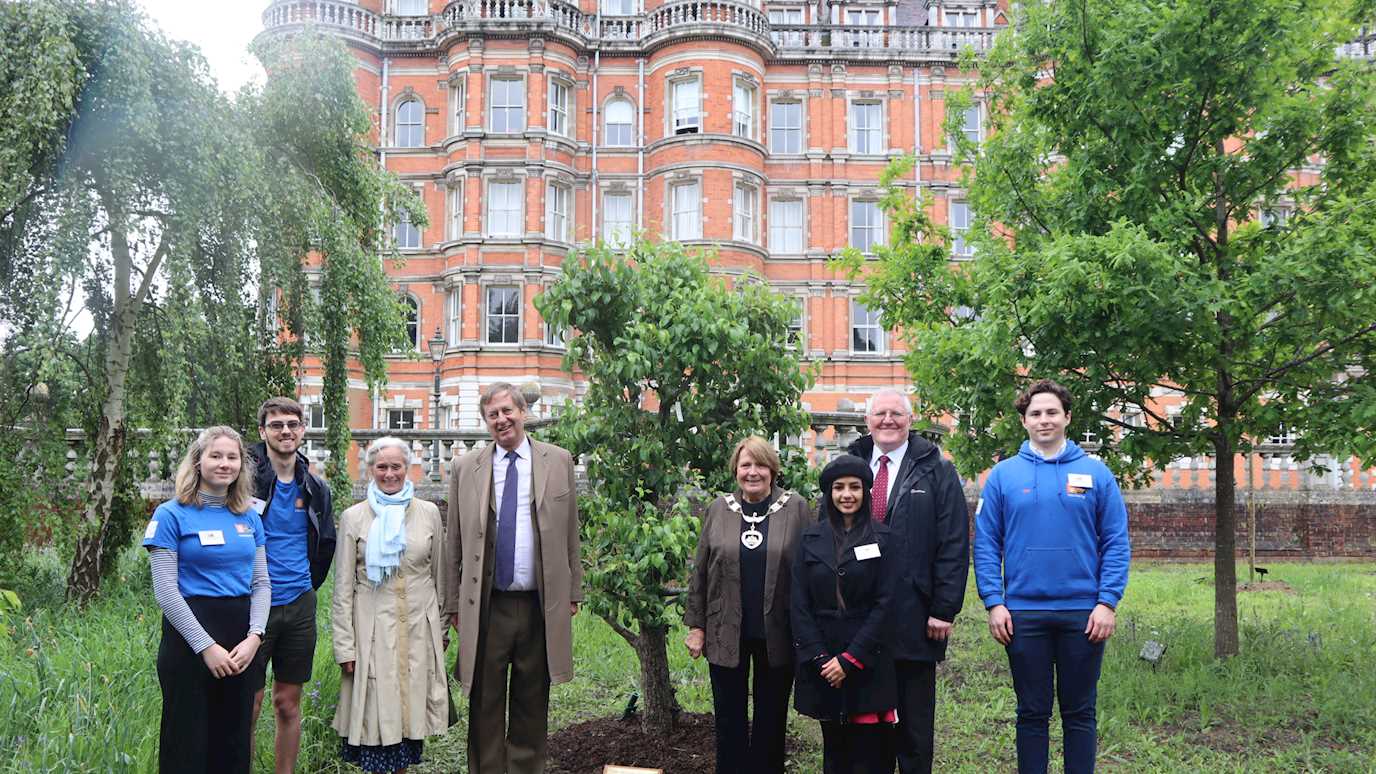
[(679, 367)]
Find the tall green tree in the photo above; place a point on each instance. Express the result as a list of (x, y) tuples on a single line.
[(1121, 245), (679, 367), (170, 216)]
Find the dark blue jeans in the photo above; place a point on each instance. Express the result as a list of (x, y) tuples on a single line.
[(1050, 651)]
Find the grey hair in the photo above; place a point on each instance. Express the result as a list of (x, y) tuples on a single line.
[(907, 403), (497, 388), (387, 442)]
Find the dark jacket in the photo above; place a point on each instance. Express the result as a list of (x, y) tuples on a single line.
[(931, 531), (320, 535), (864, 629), (714, 592)]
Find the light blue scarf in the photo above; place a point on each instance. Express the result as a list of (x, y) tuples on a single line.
[(387, 536)]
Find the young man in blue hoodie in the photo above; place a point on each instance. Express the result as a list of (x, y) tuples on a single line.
[(1051, 563)]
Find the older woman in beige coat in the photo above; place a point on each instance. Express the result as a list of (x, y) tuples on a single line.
[(388, 638)]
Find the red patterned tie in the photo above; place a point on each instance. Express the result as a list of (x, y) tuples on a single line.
[(879, 495)]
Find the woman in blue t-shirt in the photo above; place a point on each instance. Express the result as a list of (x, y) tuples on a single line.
[(210, 577)]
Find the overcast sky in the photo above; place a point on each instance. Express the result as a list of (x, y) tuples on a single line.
[(222, 30)]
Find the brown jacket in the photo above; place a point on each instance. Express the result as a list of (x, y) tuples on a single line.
[(559, 572), (714, 593)]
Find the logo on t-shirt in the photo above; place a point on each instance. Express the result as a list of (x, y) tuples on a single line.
[(244, 530)]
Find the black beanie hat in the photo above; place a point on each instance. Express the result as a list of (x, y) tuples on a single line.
[(846, 465)]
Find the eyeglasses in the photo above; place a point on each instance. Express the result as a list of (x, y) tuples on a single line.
[(889, 414), (278, 427)]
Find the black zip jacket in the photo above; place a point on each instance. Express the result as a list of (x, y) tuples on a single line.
[(320, 533)]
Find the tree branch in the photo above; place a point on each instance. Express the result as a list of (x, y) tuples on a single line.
[(1271, 376), (629, 636)]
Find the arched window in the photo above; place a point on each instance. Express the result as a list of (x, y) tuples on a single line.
[(620, 123), (410, 124), (412, 313)]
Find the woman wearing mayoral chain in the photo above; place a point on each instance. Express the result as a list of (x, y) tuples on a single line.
[(737, 609)]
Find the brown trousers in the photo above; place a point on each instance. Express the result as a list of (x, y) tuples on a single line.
[(512, 676)]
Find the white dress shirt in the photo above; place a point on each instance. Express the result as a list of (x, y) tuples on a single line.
[(523, 575), (895, 461)]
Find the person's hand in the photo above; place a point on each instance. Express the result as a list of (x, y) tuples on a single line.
[(454, 621), (833, 673), (243, 653), (573, 609), (938, 629), (347, 667), (217, 660), (694, 641), (1001, 624), (1101, 623)]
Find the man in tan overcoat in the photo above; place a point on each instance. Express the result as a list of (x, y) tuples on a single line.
[(513, 586)]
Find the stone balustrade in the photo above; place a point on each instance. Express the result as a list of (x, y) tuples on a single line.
[(724, 14), (838, 39)]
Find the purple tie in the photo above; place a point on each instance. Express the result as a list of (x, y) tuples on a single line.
[(506, 527)]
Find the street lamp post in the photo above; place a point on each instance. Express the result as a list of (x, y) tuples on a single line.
[(436, 345)]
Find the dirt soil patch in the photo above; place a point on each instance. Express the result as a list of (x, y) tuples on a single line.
[(1275, 585), (584, 748)]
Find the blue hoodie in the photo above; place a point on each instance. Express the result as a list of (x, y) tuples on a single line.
[(1051, 534)]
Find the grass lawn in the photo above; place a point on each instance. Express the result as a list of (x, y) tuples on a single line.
[(78, 692)]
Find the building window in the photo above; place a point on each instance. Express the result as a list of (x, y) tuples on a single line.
[(401, 419), (866, 331), (560, 102), (866, 225), (863, 38), (453, 315), (1276, 217), (618, 7), (557, 209), (503, 315), (960, 229), (618, 222), (685, 105), (745, 208), (786, 226), (315, 420), (554, 336), (784, 17), (457, 109), (453, 205), (962, 19), (743, 110), (504, 209), (786, 127), (970, 124), (508, 105), (404, 234), (412, 313), (410, 124), (866, 127), (620, 124), (686, 215), (797, 327)]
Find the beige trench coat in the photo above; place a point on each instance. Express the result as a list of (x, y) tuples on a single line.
[(391, 632), (560, 578)]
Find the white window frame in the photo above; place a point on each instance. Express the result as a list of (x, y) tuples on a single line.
[(558, 212), (511, 220), (873, 144), (619, 7), (453, 210), (502, 316), (458, 110), (560, 98), (876, 227), (412, 319), (618, 234), (780, 132), (787, 17), (797, 327), (959, 216), (685, 210), (745, 212), (782, 231), (453, 316), (616, 141), (410, 133), (401, 419), (410, 7), (406, 235), (864, 17), (1274, 217), (513, 113), (685, 110), (743, 98), (862, 318), (974, 134)]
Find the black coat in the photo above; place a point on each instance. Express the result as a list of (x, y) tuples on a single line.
[(320, 532), (931, 529), (864, 629)]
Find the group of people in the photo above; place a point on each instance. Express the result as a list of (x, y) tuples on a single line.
[(846, 612)]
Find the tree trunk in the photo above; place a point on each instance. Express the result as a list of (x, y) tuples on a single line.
[(1225, 548), (656, 690)]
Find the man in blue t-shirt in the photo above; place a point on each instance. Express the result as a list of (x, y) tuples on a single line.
[(298, 519), (1051, 564)]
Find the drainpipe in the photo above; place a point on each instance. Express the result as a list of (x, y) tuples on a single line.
[(640, 153), (917, 128), (596, 121), (382, 110)]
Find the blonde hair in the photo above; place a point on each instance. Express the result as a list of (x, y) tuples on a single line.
[(761, 451), (188, 481)]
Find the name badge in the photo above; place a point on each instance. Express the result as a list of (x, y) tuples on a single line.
[(212, 537), (1080, 480), (870, 551), (257, 505)]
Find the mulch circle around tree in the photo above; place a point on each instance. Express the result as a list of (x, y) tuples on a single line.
[(584, 748)]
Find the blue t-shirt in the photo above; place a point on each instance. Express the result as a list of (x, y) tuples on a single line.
[(214, 546), (289, 566)]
